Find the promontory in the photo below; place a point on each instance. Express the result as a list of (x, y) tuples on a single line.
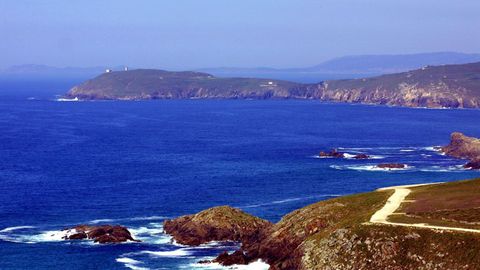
[(448, 86)]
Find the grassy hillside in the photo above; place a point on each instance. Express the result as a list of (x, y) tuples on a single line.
[(337, 234), (363, 246)]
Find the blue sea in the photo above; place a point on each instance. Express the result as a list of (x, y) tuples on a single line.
[(138, 163)]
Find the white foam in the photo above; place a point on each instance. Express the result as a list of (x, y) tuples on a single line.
[(348, 156), (372, 168), (289, 200), (52, 236), (182, 252), (67, 99), (431, 148), (127, 260), (131, 263), (106, 220), (95, 221), (318, 156), (257, 265), (407, 150), (149, 218), (152, 235), (45, 236), (458, 168), (10, 229)]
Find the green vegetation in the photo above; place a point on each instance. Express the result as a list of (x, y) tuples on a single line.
[(337, 234), (454, 204)]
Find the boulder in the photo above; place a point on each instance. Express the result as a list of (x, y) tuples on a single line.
[(473, 165), (333, 153), (392, 166), (361, 156), (237, 257)]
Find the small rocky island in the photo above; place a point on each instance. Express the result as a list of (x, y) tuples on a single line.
[(335, 154), (464, 147), (448, 86), (390, 166), (102, 234)]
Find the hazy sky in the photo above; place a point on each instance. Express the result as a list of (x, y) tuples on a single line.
[(206, 33)]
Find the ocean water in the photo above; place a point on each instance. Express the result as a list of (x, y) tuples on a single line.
[(138, 163)]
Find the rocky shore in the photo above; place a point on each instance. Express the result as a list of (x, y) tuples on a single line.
[(281, 245), (464, 147), (336, 234)]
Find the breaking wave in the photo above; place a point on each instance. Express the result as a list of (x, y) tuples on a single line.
[(151, 233), (105, 220), (257, 265), (290, 200), (371, 168), (131, 263)]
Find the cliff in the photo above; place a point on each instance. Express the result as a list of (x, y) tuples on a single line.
[(337, 234), (449, 86)]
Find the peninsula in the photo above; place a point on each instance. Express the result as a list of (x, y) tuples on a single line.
[(448, 86)]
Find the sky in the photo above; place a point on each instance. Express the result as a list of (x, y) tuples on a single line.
[(185, 34)]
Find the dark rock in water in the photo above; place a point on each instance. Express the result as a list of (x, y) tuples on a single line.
[(237, 257), (391, 166), (222, 223), (334, 153), (473, 165), (100, 234), (78, 236), (361, 156)]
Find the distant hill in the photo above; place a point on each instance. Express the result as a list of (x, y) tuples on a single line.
[(348, 67), (383, 64), (451, 86)]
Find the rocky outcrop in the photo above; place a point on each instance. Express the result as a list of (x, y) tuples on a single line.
[(280, 245), (221, 223), (464, 147), (450, 86), (473, 165), (102, 234), (361, 156), (333, 153), (391, 166)]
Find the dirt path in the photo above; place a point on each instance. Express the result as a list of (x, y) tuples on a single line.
[(394, 202)]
